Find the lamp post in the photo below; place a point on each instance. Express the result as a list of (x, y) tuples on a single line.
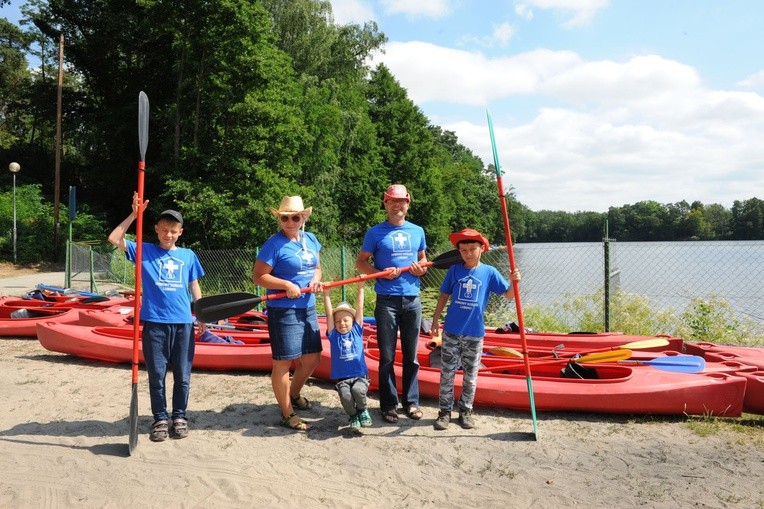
[(15, 168)]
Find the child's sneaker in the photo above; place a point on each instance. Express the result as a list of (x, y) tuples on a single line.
[(355, 423), (443, 420), (365, 418), (466, 420)]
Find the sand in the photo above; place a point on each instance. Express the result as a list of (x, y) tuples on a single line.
[(64, 434)]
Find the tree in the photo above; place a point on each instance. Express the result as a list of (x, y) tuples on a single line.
[(407, 151)]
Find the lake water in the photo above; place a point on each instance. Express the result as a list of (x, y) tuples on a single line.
[(670, 274)]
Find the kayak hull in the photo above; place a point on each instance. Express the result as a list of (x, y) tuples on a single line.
[(114, 344)]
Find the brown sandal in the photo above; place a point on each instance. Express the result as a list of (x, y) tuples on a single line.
[(300, 402), (295, 423), (413, 412), (390, 416)]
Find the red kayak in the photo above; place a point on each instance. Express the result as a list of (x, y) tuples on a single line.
[(114, 344), (754, 392), (617, 390), (718, 353), (22, 321)]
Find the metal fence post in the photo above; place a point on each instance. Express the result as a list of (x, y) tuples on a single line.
[(606, 246), (342, 269)]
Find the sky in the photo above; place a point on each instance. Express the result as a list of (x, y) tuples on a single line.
[(594, 103)]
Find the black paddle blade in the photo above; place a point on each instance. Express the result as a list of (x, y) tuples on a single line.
[(445, 260), (133, 419), (225, 305)]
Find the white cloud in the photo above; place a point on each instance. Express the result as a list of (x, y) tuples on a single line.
[(500, 37), (755, 80), (503, 33), (414, 8), (577, 12), (435, 73), (524, 11), (646, 128), (352, 11)]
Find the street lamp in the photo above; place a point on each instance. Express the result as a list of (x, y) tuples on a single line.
[(15, 168)]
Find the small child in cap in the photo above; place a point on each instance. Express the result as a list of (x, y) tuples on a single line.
[(344, 328)]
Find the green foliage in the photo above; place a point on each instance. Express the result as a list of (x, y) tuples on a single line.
[(34, 225), (711, 318)]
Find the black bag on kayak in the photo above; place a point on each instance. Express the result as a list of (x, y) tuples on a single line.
[(575, 370)]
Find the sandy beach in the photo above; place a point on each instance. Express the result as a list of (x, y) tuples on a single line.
[(64, 434)]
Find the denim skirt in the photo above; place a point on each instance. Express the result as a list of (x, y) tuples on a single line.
[(293, 332)]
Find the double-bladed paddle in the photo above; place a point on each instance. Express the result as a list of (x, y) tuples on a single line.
[(515, 284), (143, 139), (505, 351), (674, 363), (225, 305)]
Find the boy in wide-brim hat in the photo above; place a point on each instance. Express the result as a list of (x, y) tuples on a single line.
[(468, 285)]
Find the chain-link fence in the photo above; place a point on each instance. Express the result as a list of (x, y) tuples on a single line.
[(652, 287)]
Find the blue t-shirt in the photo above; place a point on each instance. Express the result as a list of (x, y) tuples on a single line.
[(348, 360), (165, 276), (289, 261), (469, 290), (395, 246)]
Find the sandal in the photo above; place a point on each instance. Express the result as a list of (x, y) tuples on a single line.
[(294, 422), (390, 416), (300, 402), (413, 412), (179, 428), (158, 431)]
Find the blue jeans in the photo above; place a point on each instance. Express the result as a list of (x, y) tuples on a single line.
[(393, 313), (168, 344)]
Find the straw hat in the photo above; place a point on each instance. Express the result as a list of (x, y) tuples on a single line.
[(343, 306), (469, 235), (292, 205)]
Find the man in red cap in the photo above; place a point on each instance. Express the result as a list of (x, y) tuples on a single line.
[(392, 245), (468, 285)]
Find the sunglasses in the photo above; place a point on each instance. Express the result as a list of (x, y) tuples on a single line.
[(296, 219)]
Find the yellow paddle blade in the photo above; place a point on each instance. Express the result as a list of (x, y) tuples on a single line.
[(504, 351), (646, 343), (611, 356)]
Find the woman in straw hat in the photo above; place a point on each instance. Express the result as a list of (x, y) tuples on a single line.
[(288, 262)]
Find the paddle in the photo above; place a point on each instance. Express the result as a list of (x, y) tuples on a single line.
[(505, 351), (611, 356), (143, 139), (515, 284), (224, 305), (65, 291), (675, 363)]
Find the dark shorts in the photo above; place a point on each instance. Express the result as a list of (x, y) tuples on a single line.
[(293, 332)]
